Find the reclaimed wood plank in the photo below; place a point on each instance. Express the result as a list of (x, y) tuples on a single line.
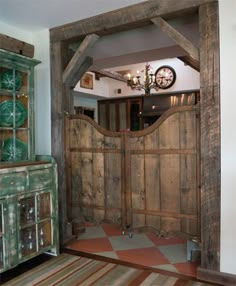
[(152, 140), (127, 219), (210, 135), (16, 46), (179, 38), (195, 64), (169, 188), (125, 18), (138, 195), (169, 133), (188, 185), (78, 59), (111, 74), (112, 173), (188, 127), (86, 194), (152, 182), (170, 226), (57, 129), (76, 186)]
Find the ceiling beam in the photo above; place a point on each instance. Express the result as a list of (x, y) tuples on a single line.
[(176, 36), (190, 62), (80, 58), (126, 18), (111, 74)]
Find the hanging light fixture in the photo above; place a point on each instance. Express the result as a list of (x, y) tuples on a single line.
[(145, 81)]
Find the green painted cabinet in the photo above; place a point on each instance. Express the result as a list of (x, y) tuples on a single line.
[(28, 183), (16, 107), (28, 211)]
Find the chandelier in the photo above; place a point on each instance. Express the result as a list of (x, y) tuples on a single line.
[(145, 82)]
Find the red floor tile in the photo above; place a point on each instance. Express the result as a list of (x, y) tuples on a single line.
[(188, 268), (150, 256), (145, 256), (92, 245), (165, 241), (112, 229)]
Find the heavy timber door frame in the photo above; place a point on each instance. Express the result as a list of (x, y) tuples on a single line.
[(63, 76)]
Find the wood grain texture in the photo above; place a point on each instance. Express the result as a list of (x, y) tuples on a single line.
[(129, 180), (57, 129), (176, 36), (111, 74), (210, 136), (195, 64), (16, 46), (125, 18), (79, 59), (139, 16)]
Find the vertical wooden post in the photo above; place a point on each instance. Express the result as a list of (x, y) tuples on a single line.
[(58, 104), (210, 137)]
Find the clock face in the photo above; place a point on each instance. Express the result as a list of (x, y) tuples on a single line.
[(165, 77)]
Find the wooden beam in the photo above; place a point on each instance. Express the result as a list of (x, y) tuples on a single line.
[(79, 59), (16, 46), (88, 61), (125, 18), (210, 136), (176, 36), (111, 74), (190, 62), (57, 129), (61, 104)]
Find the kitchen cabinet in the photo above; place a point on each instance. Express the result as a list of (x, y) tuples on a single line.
[(28, 211), (28, 183), (16, 107)]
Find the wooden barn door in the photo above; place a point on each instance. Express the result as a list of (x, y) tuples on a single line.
[(148, 178)]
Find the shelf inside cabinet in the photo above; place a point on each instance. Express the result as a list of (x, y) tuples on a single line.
[(16, 107)]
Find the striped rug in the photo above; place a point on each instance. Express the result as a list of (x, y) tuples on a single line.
[(70, 270)]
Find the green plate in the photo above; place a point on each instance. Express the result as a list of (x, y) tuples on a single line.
[(8, 81), (7, 113), (14, 150)]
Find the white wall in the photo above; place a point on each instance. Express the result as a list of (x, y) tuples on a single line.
[(186, 79), (14, 32), (228, 134), (42, 79), (42, 94)]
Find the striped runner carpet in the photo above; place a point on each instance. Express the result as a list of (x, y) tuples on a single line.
[(70, 270)]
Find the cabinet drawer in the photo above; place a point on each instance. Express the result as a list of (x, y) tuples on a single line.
[(41, 178), (12, 182)]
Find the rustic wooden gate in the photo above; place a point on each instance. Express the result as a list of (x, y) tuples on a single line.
[(148, 178)]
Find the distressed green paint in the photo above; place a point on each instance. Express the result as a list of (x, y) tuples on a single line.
[(24, 64), (31, 182), (23, 185)]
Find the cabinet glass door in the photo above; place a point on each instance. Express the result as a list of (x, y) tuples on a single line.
[(35, 223), (14, 115), (28, 240), (27, 209), (44, 220), (16, 107)]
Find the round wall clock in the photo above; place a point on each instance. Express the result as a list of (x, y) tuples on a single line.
[(165, 77)]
